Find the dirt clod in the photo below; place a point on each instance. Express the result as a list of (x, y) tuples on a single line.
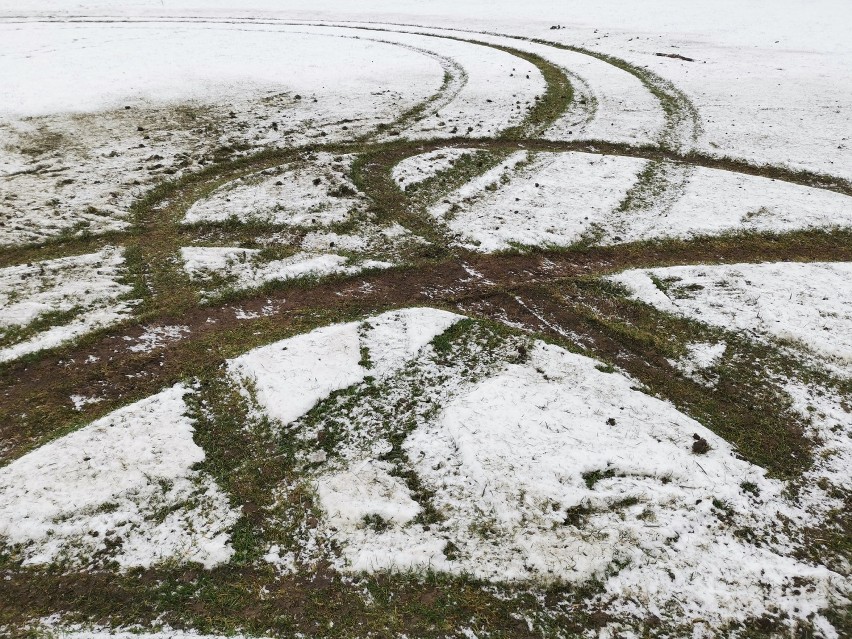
[(700, 446)]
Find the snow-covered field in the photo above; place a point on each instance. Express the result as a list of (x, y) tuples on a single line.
[(123, 488), (552, 201), (551, 469), (560, 199), (239, 268), (387, 319), (806, 306), (75, 294), (298, 196)]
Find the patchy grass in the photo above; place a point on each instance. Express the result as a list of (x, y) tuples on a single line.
[(745, 406), (260, 465), (15, 334)]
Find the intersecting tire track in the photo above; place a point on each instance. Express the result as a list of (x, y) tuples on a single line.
[(35, 391), (33, 382)]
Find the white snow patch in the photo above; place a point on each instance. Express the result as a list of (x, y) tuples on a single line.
[(770, 90), (617, 106), (285, 564), (75, 159), (806, 304), (298, 195), (699, 358), (88, 284), (156, 337), (552, 469), (106, 482), (704, 355), (496, 91), (81, 401), (714, 201), (246, 271), (557, 200), (415, 169), (475, 187), (372, 80), (353, 497), (266, 310), (830, 418), (366, 489), (291, 376)]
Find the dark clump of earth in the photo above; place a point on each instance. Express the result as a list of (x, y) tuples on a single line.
[(700, 445)]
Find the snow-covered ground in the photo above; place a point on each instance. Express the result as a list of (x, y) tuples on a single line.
[(494, 91), (71, 295), (328, 359), (415, 169), (317, 193), (271, 100), (804, 305), (611, 103), (557, 199), (537, 464), (547, 469), (240, 269), (76, 152), (712, 202), (421, 440), (771, 85), (122, 488)]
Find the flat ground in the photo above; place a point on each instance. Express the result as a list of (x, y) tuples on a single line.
[(493, 320)]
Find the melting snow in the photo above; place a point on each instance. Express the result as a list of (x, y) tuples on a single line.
[(290, 376), (807, 304), (87, 285), (415, 169), (102, 487)]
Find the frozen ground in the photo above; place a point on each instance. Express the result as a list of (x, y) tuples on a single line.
[(123, 488), (806, 306), (547, 469), (45, 304), (243, 208)]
